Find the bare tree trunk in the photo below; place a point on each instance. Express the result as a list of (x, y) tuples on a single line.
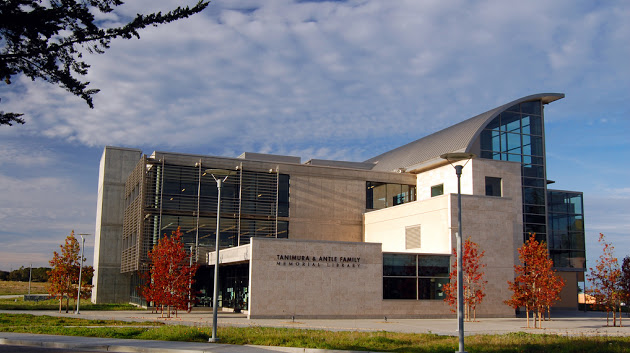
[(527, 314), (60, 302)]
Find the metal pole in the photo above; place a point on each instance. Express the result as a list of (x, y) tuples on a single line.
[(214, 337), (80, 270), (30, 275), (460, 274)]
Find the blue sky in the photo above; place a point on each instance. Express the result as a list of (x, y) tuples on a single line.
[(341, 80)]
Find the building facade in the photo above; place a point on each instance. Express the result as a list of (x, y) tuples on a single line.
[(343, 239)]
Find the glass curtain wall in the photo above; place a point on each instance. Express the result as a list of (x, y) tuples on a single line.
[(566, 234), (517, 135), (253, 204)]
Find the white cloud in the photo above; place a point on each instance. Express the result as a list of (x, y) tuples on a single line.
[(282, 68), (331, 80)]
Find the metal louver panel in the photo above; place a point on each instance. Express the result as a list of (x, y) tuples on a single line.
[(412, 237)]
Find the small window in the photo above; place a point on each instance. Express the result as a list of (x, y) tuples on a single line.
[(493, 187), (437, 190)]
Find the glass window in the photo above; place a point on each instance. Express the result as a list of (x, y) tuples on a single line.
[(514, 108), (399, 265), (511, 122), (437, 190), (431, 288), (382, 195), (533, 196), (401, 282), (531, 108), (433, 266), (493, 186), (399, 288)]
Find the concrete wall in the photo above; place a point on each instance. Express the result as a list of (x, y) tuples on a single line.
[(388, 226), (317, 288), (110, 286)]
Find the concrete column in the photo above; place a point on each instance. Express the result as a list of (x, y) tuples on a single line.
[(110, 286)]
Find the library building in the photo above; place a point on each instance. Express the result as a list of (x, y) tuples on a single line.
[(342, 239)]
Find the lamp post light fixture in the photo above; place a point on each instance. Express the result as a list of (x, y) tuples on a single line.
[(220, 176), (80, 270), (455, 157)]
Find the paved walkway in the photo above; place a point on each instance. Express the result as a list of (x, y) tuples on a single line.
[(566, 323)]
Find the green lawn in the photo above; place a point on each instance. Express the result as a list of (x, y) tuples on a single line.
[(53, 304), (341, 340)]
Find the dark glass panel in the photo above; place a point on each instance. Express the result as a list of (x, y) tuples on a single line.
[(537, 146), (431, 288), (437, 190), (533, 196), (369, 195), (534, 209), (493, 186), (486, 140), (535, 124), (433, 266), (399, 265), (494, 124), (534, 219), (514, 108), (399, 288), (534, 182), (534, 228), (511, 122), (283, 229), (533, 171), (531, 108), (487, 154)]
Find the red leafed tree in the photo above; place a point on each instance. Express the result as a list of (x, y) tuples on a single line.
[(63, 278), (474, 284), (170, 277), (605, 282), (536, 286)]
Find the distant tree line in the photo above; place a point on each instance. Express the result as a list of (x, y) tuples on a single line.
[(39, 274)]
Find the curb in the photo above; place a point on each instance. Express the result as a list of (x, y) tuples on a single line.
[(215, 348)]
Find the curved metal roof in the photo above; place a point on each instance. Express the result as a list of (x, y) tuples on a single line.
[(456, 138)]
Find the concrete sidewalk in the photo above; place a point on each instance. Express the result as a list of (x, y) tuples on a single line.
[(563, 323)]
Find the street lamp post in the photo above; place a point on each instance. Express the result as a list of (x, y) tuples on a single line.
[(222, 175), (454, 157), (80, 270)]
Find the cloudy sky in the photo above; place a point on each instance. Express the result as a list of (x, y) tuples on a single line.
[(341, 80)]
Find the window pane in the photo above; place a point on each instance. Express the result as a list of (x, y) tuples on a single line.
[(534, 196), (431, 288), (379, 196), (531, 108), (399, 288), (514, 108), (433, 266), (437, 190), (493, 186), (535, 125), (511, 122), (399, 265), (537, 146)]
